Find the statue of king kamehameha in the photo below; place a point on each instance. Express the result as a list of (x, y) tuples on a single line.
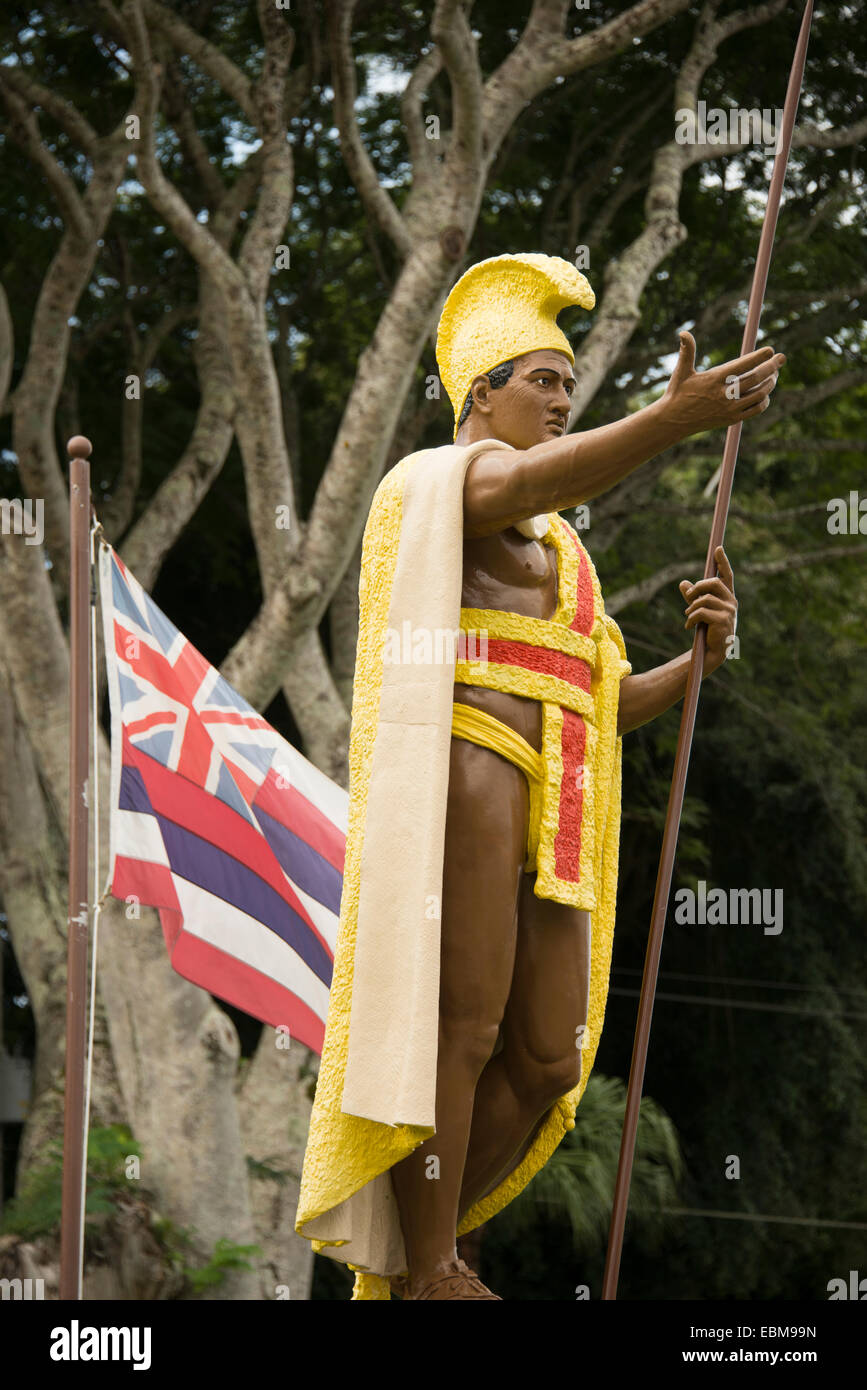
[(476, 921)]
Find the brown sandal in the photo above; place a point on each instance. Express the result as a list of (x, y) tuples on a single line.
[(462, 1283)]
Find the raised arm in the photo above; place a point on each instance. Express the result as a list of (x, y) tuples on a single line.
[(503, 487)]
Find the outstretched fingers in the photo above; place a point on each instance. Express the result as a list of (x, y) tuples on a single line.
[(761, 376), (739, 365), (755, 386), (757, 409)]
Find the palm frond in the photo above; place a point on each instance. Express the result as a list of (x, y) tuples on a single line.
[(577, 1183)]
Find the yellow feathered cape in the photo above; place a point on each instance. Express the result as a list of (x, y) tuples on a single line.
[(376, 1091)]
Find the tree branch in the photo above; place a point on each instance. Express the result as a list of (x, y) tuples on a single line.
[(7, 352), (268, 223), (36, 657), (809, 135), (454, 40), (794, 402), (771, 516), (39, 387), (198, 240), (258, 415), (77, 127), (543, 54), (795, 562), (411, 101), (645, 589), (360, 166), (806, 136), (178, 111), (205, 55), (117, 511), (25, 130)]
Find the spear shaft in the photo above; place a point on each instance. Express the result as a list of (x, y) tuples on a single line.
[(690, 703)]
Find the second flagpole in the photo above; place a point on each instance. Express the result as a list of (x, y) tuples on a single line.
[(74, 1137)]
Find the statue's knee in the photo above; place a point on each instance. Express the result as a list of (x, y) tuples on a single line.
[(542, 1082), (468, 1041)]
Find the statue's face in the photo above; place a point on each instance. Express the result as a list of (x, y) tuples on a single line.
[(534, 404)]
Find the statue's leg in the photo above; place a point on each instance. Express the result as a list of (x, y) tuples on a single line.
[(485, 845), (539, 1061)]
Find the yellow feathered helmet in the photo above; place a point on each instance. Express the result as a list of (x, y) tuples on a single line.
[(502, 308)]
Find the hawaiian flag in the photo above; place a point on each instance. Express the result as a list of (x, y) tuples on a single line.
[(218, 822)]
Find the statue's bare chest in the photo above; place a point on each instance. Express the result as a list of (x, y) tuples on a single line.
[(510, 572)]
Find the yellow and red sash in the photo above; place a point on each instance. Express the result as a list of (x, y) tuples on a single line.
[(557, 661)]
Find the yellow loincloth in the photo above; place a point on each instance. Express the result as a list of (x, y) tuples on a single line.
[(479, 727), (376, 1091)]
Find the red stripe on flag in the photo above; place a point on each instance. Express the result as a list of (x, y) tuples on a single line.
[(210, 818), (191, 668), (150, 883), (291, 808), (150, 721), (234, 717), (246, 988), (179, 683)]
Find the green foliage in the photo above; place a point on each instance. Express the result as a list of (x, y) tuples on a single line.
[(35, 1209), (177, 1241), (227, 1255), (264, 1171), (577, 1182)]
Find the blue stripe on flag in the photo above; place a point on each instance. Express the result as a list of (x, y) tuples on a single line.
[(301, 863), (218, 873)]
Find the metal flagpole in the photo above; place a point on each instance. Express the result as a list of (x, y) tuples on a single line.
[(690, 703), (74, 1137)]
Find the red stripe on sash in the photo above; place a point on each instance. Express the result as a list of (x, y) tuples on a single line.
[(567, 842), (583, 620), (573, 743), (572, 669)]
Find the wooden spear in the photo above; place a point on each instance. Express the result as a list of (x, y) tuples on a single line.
[(690, 703)]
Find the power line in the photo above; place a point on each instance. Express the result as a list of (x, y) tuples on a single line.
[(758, 1216), (734, 980), (740, 1004)]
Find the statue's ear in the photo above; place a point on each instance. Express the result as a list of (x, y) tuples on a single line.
[(481, 392)]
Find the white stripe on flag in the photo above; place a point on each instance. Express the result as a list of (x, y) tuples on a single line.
[(138, 836), (235, 932), (330, 798), (322, 918)]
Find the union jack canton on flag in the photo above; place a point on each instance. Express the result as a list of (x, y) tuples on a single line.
[(218, 822)]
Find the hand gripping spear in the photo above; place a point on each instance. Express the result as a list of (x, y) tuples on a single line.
[(690, 703)]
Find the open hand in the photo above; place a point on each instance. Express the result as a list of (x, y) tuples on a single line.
[(713, 601), (736, 390)]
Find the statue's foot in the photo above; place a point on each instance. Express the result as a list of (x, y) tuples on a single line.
[(460, 1282)]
